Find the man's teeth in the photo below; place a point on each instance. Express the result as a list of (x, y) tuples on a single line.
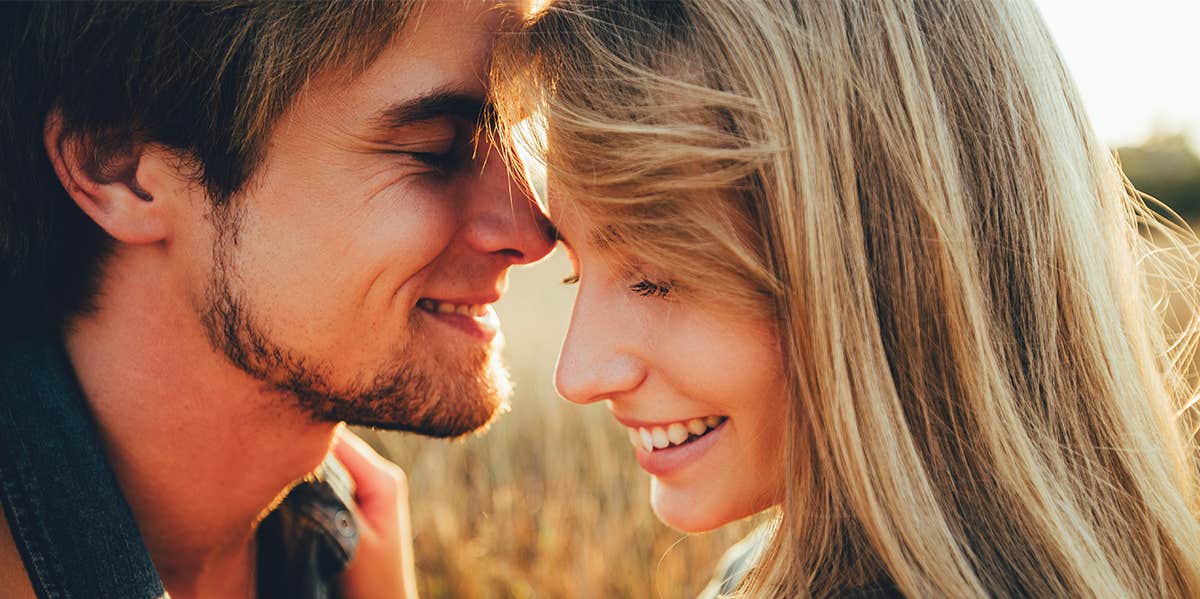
[(471, 310), (676, 433)]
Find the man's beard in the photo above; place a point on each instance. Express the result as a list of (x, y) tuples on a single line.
[(433, 395)]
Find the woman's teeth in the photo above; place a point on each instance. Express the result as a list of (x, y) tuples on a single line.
[(437, 307), (676, 433)]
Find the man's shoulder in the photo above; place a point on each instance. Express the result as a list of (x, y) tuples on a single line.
[(65, 510)]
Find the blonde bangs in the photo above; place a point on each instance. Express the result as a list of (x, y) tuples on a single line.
[(654, 163)]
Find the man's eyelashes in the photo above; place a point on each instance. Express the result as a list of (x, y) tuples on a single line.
[(442, 161)]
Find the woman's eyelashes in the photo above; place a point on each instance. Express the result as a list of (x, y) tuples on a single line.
[(643, 287), (648, 288)]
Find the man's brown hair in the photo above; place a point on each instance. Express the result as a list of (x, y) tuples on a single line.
[(208, 80)]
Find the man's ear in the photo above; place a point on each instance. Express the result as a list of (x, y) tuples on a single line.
[(127, 195)]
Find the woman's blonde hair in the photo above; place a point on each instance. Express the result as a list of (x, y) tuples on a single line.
[(988, 396)]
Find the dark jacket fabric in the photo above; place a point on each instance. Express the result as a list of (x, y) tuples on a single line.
[(74, 529)]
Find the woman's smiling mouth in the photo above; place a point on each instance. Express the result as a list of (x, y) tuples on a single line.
[(664, 448), (651, 438)]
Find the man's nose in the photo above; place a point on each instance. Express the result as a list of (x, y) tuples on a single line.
[(505, 218), (595, 362)]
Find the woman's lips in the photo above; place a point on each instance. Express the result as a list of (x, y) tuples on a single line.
[(478, 320), (663, 450)]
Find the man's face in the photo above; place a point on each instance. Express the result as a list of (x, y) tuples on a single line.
[(355, 271)]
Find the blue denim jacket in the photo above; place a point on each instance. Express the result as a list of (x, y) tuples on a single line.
[(74, 529)]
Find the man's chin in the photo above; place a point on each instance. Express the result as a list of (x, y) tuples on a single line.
[(439, 430), (447, 403)]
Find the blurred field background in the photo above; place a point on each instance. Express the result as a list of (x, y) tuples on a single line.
[(550, 503)]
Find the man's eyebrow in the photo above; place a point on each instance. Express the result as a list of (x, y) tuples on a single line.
[(429, 106)]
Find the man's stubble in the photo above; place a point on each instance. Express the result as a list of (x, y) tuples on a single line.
[(416, 391)]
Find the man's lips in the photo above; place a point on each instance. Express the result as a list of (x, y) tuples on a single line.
[(475, 317)]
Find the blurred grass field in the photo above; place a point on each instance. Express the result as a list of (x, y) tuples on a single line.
[(549, 502)]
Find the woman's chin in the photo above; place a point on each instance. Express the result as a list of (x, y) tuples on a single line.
[(691, 511), (694, 510)]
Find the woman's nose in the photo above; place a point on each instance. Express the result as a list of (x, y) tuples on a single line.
[(596, 362)]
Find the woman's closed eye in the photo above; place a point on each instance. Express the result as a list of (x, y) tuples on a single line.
[(642, 287), (648, 288)]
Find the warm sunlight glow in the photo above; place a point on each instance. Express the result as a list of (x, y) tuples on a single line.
[(1135, 63)]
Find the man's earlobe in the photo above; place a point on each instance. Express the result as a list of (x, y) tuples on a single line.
[(114, 194)]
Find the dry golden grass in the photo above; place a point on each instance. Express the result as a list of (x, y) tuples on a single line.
[(550, 502)]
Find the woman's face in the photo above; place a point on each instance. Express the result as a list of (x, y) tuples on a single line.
[(699, 392)]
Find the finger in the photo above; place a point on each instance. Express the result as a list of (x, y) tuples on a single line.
[(375, 478)]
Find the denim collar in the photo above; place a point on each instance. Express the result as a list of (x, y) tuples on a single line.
[(68, 518)]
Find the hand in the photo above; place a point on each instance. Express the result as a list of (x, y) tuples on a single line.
[(382, 567)]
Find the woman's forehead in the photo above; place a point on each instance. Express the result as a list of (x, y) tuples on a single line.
[(565, 215)]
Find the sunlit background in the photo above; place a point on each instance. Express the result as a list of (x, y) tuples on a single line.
[(550, 503), (1137, 64)]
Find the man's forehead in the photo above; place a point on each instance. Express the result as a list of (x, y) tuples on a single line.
[(436, 64)]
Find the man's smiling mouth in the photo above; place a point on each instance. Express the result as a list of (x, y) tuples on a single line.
[(478, 320), (439, 307)]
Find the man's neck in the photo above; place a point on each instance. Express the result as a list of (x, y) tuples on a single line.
[(200, 449)]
